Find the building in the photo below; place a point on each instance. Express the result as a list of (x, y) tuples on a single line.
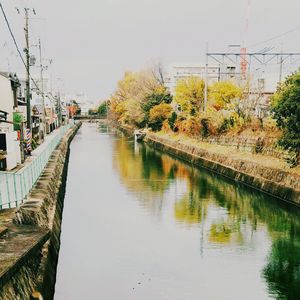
[(184, 70), (78, 104), (10, 151)]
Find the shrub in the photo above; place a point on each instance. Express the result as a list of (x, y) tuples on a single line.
[(190, 126), (172, 121), (286, 110), (17, 118), (158, 114), (226, 125), (153, 100), (205, 127)]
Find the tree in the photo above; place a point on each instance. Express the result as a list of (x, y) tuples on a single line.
[(159, 72), (222, 94), (102, 109), (189, 94), (158, 114), (130, 93), (161, 95), (134, 114), (286, 110)]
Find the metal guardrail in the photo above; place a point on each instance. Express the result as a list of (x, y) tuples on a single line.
[(14, 187)]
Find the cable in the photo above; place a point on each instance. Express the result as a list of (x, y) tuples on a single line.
[(275, 37), (11, 33), (17, 47)]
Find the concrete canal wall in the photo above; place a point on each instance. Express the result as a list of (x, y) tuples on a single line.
[(278, 183), (30, 246)]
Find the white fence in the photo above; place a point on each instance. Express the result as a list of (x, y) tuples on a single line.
[(15, 186)]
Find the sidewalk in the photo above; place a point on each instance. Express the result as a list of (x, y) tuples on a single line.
[(36, 152), (47, 141), (15, 185)]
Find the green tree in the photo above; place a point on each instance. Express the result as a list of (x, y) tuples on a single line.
[(102, 109), (172, 121), (286, 110), (156, 98)]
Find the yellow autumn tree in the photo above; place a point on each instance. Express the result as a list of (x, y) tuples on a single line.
[(132, 89), (189, 94), (222, 94), (158, 114)]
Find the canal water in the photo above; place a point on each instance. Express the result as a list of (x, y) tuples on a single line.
[(140, 224)]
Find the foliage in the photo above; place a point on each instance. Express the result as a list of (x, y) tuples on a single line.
[(286, 110), (93, 112), (102, 109), (227, 124), (222, 94), (17, 118), (156, 98), (172, 121), (133, 88), (189, 94), (190, 126), (158, 114), (134, 114), (34, 143), (205, 127)]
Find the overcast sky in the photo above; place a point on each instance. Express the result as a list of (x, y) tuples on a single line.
[(92, 42)]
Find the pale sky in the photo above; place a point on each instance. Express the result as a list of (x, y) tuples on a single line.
[(93, 42)]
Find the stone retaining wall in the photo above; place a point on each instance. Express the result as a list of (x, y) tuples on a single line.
[(42, 209), (266, 146), (275, 182)]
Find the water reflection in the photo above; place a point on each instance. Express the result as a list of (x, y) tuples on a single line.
[(228, 216)]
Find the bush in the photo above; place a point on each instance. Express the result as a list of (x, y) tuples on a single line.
[(172, 121), (158, 114), (205, 127), (226, 125), (153, 100), (17, 118), (190, 126), (286, 110)]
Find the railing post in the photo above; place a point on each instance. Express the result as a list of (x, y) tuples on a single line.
[(8, 193)]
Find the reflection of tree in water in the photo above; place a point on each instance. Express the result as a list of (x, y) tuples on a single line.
[(282, 271), (189, 209), (143, 173), (151, 173)]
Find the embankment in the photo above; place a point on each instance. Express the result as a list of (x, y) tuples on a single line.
[(276, 182), (30, 247)]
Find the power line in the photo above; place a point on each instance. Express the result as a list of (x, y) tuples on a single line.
[(275, 37), (12, 35), (17, 47)]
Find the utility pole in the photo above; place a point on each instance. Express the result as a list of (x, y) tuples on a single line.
[(206, 79), (26, 50), (281, 65), (42, 87)]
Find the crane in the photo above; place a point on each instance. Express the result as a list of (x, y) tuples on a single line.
[(243, 56)]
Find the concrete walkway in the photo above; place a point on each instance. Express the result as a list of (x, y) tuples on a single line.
[(36, 152)]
